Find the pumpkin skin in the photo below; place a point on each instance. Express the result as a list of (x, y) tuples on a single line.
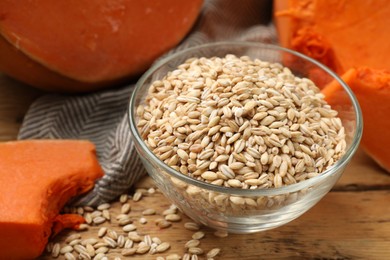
[(81, 45)]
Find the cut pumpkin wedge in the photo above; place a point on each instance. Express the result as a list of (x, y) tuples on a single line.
[(37, 178)]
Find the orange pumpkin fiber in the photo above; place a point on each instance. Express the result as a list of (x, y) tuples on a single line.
[(37, 178)]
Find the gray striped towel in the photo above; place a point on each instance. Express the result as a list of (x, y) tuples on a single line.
[(101, 116)]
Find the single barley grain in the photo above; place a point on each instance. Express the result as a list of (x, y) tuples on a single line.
[(125, 221), (110, 242), (163, 247), (142, 248), (191, 226), (99, 245), (88, 209), (221, 233), (173, 217), (129, 243), (121, 240), (198, 235), (156, 240), (162, 223), (123, 198), (125, 208), (82, 227), (56, 250), (137, 196), (192, 243), (66, 249), (169, 211), (106, 214), (143, 221), (129, 227), (79, 248), (104, 206), (88, 218), (96, 213), (147, 240), (134, 236), (195, 250), (148, 212), (99, 220), (119, 216), (213, 252)]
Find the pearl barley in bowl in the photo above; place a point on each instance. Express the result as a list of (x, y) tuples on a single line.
[(239, 137)]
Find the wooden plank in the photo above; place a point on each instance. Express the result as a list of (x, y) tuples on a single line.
[(15, 98), (363, 174)]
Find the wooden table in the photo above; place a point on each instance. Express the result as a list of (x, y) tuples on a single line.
[(351, 222)]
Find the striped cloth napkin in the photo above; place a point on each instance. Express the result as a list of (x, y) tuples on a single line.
[(101, 117)]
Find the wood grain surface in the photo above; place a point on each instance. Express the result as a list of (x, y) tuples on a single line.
[(350, 222)]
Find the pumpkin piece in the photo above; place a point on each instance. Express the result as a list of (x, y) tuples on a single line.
[(95, 44), (340, 34), (372, 89), (37, 178)]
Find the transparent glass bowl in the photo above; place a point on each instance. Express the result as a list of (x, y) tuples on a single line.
[(239, 210)]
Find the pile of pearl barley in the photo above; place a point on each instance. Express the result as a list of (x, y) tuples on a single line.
[(241, 123), (121, 231)]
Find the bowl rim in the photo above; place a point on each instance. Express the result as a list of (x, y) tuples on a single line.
[(238, 191)]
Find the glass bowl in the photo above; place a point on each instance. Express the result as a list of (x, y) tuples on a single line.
[(238, 210)]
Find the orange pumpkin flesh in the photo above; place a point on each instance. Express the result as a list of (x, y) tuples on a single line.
[(94, 43), (341, 34), (372, 89), (37, 178)]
